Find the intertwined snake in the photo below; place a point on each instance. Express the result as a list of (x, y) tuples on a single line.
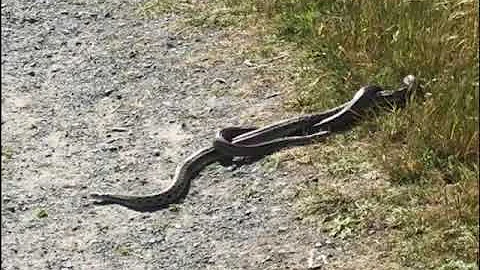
[(255, 143)]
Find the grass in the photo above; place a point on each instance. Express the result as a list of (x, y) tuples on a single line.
[(429, 149), (421, 224), (41, 213), (198, 14), (7, 153), (425, 214), (122, 250)]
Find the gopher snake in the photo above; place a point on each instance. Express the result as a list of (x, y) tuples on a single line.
[(255, 143)]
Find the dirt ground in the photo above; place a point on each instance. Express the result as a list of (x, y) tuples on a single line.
[(98, 99)]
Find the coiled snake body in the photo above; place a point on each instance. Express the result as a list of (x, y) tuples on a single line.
[(254, 143)]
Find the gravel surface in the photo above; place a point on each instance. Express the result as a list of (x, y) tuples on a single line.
[(97, 99)]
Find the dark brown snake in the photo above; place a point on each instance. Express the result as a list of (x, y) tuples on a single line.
[(255, 143)]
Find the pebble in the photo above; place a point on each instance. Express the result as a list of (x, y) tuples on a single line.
[(55, 68), (119, 129), (68, 264), (108, 92), (248, 63), (316, 261), (30, 20)]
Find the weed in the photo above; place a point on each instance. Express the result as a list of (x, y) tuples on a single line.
[(41, 213), (7, 153), (122, 250)]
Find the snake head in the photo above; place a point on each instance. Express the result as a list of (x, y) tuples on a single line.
[(410, 81), (413, 89)]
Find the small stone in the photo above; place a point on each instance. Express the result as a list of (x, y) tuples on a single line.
[(108, 92), (282, 228), (266, 259), (152, 240), (119, 129), (156, 152), (30, 20), (313, 261), (248, 63), (132, 54), (219, 80), (68, 264), (315, 267), (55, 68)]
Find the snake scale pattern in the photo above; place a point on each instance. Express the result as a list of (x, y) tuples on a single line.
[(253, 143)]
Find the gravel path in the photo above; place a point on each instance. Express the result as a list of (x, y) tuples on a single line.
[(97, 99)]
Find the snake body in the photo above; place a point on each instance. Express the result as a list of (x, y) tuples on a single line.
[(256, 142)]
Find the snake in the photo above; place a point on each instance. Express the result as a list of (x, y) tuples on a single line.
[(254, 143)]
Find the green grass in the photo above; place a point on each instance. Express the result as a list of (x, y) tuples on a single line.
[(429, 149), (7, 153), (41, 213), (122, 250), (204, 15), (153, 8)]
